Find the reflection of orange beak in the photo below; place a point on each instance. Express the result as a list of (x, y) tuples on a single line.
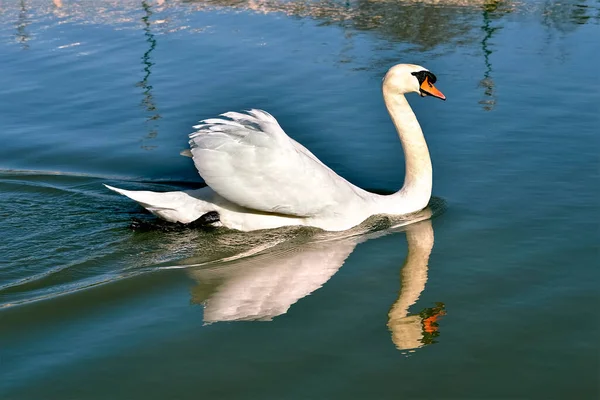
[(428, 88), (430, 324)]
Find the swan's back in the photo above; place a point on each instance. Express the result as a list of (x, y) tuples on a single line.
[(249, 160)]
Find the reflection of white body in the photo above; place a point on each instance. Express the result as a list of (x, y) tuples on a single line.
[(266, 285), (260, 178)]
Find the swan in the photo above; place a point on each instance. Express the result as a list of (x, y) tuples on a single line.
[(260, 178)]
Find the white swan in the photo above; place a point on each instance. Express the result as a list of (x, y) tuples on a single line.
[(260, 178)]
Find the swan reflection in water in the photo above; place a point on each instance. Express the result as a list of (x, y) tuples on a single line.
[(263, 286)]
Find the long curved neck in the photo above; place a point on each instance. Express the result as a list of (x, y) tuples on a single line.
[(416, 191)]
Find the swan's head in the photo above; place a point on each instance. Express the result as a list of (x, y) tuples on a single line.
[(407, 78)]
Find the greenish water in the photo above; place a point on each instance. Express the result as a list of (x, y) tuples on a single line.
[(494, 297)]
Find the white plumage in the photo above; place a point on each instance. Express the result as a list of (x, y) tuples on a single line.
[(278, 174), (260, 178)]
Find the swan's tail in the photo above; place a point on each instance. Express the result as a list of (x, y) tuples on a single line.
[(170, 206)]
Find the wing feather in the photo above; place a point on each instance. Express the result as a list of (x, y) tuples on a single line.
[(248, 159)]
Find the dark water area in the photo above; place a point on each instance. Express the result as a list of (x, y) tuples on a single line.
[(491, 292)]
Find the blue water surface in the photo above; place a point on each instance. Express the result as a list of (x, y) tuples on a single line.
[(495, 296)]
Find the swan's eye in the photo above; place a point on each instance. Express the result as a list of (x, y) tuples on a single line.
[(423, 75)]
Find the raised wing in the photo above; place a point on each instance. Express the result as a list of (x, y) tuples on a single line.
[(249, 160)]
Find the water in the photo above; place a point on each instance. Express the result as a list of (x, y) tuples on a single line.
[(494, 297)]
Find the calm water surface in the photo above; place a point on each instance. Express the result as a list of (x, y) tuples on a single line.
[(493, 294)]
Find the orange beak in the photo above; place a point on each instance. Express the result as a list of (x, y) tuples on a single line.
[(428, 88)]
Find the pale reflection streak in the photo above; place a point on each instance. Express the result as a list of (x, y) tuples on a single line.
[(267, 284)]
